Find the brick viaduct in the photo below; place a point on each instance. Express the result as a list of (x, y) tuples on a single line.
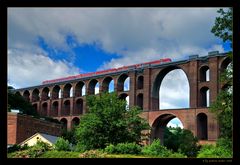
[(56, 100)]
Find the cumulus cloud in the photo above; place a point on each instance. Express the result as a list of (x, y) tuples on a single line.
[(136, 34), (174, 91), (26, 69)]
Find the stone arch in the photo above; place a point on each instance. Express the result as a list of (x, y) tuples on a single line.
[(106, 83), (78, 107), (204, 73), (75, 121), (140, 81), (159, 124), (204, 97), (92, 86), (64, 123), (26, 95), (44, 109), (56, 92), (67, 90), (18, 93), (121, 82), (35, 106), (202, 126), (79, 89), (35, 95), (45, 94), (157, 84), (54, 110), (140, 100), (224, 64), (124, 96), (66, 108)]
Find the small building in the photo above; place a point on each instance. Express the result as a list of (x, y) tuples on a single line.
[(51, 140)]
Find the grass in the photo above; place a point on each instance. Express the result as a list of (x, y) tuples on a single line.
[(60, 154)]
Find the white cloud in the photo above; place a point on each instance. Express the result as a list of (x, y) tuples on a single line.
[(136, 34), (175, 123), (174, 91), (26, 69)]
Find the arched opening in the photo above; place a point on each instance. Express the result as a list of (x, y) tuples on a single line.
[(56, 92), (35, 106), (123, 83), (66, 108), (54, 111), (18, 93), (64, 123), (93, 87), (44, 109), (79, 89), (108, 84), (45, 94), (67, 91), (75, 122), (204, 74), (202, 126), (205, 97), (26, 95), (171, 89), (35, 95), (140, 100), (226, 64), (78, 107), (140, 82), (125, 97), (160, 124)]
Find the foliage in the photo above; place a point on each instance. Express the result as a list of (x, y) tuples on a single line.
[(222, 107), (62, 145), (59, 154), (224, 25), (92, 154), (123, 148), (31, 152), (211, 151), (108, 122), (16, 101), (181, 140), (17, 147), (70, 135), (156, 149), (177, 155)]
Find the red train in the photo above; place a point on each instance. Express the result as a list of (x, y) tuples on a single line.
[(165, 60)]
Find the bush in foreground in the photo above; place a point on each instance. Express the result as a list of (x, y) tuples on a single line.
[(62, 145), (123, 148)]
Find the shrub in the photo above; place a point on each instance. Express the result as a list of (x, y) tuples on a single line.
[(211, 151), (156, 149), (38, 149), (123, 148), (62, 145), (92, 154), (17, 147), (177, 155)]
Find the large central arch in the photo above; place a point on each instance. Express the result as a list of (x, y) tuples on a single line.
[(158, 82), (160, 124)]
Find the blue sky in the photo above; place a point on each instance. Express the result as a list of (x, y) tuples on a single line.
[(49, 43)]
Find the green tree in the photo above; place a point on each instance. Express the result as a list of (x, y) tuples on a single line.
[(16, 101), (62, 145), (108, 122), (222, 107), (181, 140)]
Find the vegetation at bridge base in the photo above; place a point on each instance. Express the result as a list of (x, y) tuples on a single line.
[(181, 140), (108, 122)]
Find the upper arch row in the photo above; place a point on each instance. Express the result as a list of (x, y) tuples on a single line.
[(81, 88)]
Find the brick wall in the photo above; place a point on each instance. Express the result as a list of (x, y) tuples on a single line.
[(21, 127)]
